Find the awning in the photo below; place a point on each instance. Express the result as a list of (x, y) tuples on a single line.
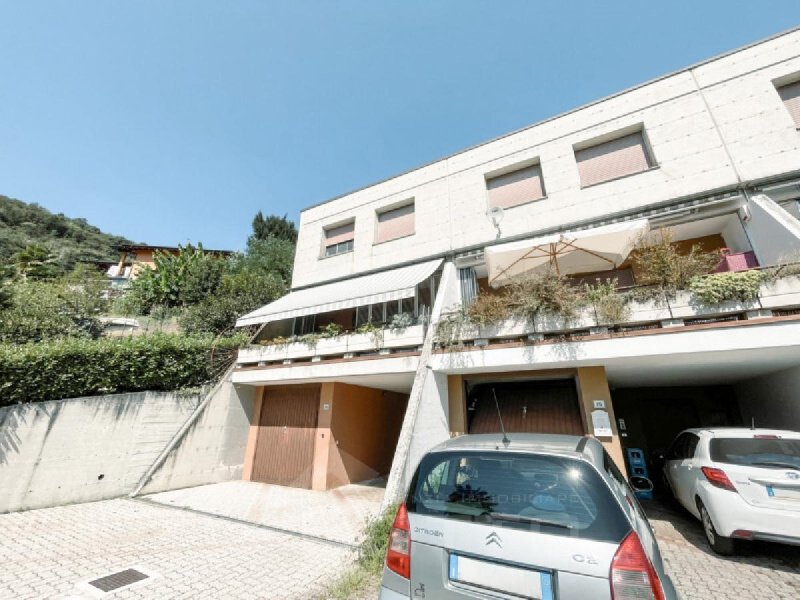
[(585, 251), (393, 284)]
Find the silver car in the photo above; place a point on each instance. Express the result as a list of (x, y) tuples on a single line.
[(537, 516)]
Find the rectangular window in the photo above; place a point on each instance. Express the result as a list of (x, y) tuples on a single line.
[(790, 94), (616, 158), (339, 239), (395, 223), (517, 187)]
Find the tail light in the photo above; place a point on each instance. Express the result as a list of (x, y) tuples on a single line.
[(718, 478), (398, 553), (633, 576)]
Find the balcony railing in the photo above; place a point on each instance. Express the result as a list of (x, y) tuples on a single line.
[(775, 297), (347, 345)]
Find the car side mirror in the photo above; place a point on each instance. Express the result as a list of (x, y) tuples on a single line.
[(641, 484)]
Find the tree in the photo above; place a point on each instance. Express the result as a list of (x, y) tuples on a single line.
[(273, 226), (253, 279), (178, 280), (36, 261)]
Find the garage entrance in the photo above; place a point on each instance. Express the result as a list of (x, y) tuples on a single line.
[(530, 406), (284, 452)]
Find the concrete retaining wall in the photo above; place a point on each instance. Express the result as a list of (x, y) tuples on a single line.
[(213, 448), (84, 449)]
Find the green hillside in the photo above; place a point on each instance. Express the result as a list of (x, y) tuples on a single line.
[(70, 240)]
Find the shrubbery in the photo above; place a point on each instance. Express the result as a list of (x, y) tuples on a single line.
[(723, 287), (71, 368)]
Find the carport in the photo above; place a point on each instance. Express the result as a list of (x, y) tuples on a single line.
[(655, 399)]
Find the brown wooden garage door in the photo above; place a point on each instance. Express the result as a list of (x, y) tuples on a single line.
[(284, 452), (526, 407)]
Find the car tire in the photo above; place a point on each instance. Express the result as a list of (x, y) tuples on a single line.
[(723, 546)]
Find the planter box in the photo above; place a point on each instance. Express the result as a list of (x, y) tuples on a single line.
[(781, 292)]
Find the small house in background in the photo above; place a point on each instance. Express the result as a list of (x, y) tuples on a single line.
[(134, 257)]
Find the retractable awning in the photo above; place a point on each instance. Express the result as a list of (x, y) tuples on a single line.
[(584, 251), (393, 284)]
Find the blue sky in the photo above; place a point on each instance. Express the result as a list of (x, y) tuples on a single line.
[(175, 121)]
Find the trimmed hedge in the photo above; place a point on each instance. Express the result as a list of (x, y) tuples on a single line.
[(71, 368)]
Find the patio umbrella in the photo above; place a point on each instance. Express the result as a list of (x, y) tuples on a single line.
[(586, 251)]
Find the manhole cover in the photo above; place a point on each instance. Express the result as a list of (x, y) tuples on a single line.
[(118, 580)]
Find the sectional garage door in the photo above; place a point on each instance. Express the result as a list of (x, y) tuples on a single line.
[(284, 452), (526, 407)]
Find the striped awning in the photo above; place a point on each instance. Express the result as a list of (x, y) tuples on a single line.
[(393, 284)]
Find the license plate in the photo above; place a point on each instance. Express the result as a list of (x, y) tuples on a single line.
[(526, 583), (783, 493)]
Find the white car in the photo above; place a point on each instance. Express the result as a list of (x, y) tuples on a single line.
[(741, 483)]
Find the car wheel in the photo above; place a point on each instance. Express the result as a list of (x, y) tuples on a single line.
[(724, 546)]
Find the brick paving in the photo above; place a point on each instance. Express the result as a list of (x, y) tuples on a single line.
[(760, 570), (52, 553), (339, 514)]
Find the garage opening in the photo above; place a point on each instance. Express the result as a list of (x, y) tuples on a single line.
[(287, 427), (526, 406)]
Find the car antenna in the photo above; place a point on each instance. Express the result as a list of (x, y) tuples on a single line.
[(753, 423), (506, 441)]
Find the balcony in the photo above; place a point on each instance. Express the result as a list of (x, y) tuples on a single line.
[(380, 341), (777, 296)]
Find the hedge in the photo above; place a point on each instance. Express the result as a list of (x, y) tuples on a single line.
[(71, 368)]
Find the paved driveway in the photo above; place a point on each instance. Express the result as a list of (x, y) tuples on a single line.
[(761, 571), (54, 552), (339, 514)]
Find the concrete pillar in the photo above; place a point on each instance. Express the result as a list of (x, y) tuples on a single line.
[(252, 436), (593, 385), (457, 404), (322, 443)]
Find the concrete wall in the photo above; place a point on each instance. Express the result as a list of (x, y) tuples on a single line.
[(84, 449), (213, 448), (774, 233), (712, 127), (772, 400)]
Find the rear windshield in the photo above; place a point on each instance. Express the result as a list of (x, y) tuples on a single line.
[(549, 494), (757, 452)]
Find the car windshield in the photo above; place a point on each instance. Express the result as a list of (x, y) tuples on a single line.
[(550, 494), (771, 453)]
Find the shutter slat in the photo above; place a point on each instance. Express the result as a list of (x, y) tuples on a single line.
[(337, 235), (609, 160), (790, 94), (395, 223), (518, 187)]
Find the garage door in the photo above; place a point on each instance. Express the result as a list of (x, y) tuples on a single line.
[(526, 407), (284, 452)]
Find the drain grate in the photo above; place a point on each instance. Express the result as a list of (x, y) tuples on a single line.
[(118, 580)]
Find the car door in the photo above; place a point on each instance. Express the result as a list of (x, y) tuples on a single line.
[(685, 472), (672, 464)]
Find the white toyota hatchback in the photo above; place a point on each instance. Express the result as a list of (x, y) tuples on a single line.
[(741, 483)]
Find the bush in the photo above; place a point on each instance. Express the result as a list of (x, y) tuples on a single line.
[(546, 293), (610, 306), (47, 310), (724, 287), (71, 368)]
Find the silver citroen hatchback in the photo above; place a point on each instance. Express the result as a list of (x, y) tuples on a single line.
[(547, 517)]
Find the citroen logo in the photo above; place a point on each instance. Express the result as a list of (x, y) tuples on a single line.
[(493, 538), (793, 475)]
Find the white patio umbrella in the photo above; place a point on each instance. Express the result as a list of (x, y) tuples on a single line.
[(586, 251)]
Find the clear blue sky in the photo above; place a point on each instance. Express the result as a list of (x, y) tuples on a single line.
[(170, 121)]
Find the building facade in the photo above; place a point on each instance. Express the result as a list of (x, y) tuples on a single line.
[(355, 379)]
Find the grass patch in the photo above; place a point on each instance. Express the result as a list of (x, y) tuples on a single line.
[(366, 572)]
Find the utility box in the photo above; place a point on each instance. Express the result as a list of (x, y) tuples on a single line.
[(637, 466)]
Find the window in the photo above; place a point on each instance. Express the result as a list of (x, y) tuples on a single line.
[(395, 223), (790, 94), (765, 451), (518, 187), (339, 239), (616, 158), (544, 493)]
